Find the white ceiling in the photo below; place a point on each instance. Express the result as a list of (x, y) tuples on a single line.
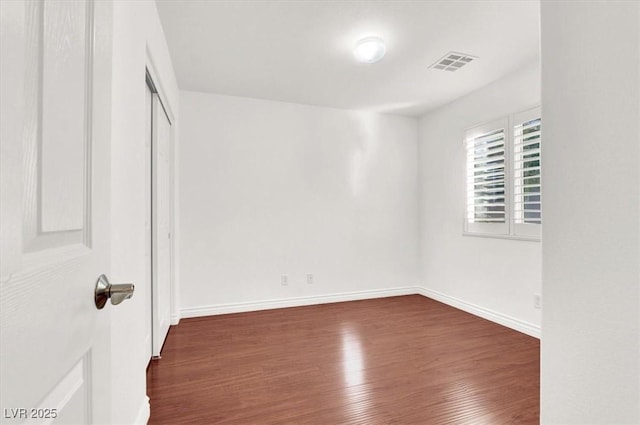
[(301, 51)]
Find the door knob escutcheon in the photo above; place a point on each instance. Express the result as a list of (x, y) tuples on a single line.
[(117, 293)]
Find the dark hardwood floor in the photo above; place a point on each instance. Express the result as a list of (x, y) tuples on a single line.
[(399, 360)]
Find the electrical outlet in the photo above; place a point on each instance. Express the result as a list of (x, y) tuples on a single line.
[(284, 280), (309, 279), (537, 301)]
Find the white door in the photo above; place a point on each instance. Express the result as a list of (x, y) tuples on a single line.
[(55, 125), (161, 225)]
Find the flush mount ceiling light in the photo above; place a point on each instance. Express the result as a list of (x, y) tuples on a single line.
[(369, 50)]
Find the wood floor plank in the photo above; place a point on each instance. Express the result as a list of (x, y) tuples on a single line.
[(397, 360)]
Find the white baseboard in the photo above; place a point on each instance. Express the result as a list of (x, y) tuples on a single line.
[(295, 302), (502, 319), (144, 413), (175, 319)]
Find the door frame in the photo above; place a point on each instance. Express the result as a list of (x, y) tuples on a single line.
[(155, 82)]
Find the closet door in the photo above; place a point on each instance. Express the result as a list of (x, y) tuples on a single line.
[(161, 225)]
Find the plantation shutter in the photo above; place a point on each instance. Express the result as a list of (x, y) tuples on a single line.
[(503, 177), (486, 177), (526, 171)]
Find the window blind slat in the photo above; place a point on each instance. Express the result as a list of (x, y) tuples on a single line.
[(488, 137), (486, 146), (520, 133), (528, 186), (531, 152), (486, 175), (525, 168), (484, 160), (490, 197)]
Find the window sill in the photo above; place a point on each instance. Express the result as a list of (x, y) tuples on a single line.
[(498, 236)]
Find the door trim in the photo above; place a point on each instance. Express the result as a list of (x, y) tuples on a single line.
[(154, 88), (170, 110)]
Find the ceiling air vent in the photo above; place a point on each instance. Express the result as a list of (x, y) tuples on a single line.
[(453, 61)]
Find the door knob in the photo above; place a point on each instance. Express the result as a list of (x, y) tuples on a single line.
[(117, 293)]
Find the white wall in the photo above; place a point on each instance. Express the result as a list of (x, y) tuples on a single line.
[(477, 274), (590, 104), (270, 188), (137, 34)]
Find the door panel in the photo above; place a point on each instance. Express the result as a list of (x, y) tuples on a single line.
[(55, 119), (70, 398), (161, 225), (56, 124), (63, 90)]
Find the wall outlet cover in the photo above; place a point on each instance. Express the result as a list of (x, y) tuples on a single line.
[(537, 301)]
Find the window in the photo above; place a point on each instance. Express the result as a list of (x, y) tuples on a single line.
[(503, 184), (487, 210)]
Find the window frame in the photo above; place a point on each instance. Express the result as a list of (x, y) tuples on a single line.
[(509, 229)]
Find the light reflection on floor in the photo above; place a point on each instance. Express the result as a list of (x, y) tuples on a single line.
[(356, 394)]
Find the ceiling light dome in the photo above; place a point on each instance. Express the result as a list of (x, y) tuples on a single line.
[(369, 50)]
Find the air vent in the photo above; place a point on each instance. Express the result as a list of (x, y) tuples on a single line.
[(453, 61)]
